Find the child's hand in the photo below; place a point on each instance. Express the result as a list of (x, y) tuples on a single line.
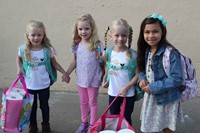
[(146, 89), (142, 83), (123, 91), (65, 78), (105, 84), (20, 72)]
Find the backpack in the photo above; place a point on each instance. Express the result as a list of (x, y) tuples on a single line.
[(189, 85), (47, 62), (131, 67)]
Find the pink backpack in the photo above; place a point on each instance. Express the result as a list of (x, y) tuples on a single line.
[(189, 74)]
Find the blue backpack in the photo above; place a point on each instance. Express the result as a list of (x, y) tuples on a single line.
[(131, 67), (47, 62)]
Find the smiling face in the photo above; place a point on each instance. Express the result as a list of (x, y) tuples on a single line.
[(84, 30), (35, 36), (119, 35), (152, 34)]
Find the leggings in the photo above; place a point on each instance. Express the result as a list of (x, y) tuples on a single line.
[(115, 108), (88, 97), (44, 96)]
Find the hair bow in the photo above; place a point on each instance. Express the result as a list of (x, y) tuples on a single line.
[(159, 17)]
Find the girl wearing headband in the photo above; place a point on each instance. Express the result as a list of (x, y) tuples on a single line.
[(161, 105)]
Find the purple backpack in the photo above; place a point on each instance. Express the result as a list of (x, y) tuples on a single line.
[(190, 84)]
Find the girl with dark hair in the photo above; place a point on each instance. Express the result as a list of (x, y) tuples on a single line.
[(161, 105)]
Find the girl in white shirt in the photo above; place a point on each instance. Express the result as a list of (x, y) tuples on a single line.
[(121, 67), (32, 62)]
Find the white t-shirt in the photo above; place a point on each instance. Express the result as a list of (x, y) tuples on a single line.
[(119, 77), (39, 77)]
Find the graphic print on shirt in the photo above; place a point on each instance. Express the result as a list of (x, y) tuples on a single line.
[(113, 71), (35, 61), (116, 67)]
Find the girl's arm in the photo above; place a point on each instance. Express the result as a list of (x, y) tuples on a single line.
[(72, 66), (19, 64), (130, 84), (105, 82), (142, 81), (56, 65)]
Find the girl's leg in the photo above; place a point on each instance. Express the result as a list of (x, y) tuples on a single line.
[(33, 117), (93, 102), (44, 95), (84, 102), (129, 108), (115, 108)]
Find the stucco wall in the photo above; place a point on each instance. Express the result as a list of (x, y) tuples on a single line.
[(183, 17)]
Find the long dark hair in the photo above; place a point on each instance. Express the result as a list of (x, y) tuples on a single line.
[(142, 44)]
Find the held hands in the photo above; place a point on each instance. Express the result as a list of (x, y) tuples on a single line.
[(65, 78), (105, 84), (144, 86)]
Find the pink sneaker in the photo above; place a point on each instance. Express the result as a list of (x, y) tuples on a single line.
[(82, 128)]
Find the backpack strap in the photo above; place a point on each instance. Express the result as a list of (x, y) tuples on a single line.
[(75, 47), (166, 60), (99, 53), (132, 64), (108, 55), (26, 64), (50, 69)]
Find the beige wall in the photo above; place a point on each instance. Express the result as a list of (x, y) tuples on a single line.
[(183, 18)]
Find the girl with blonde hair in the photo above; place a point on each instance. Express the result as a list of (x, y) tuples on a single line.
[(36, 60), (86, 46), (121, 68)]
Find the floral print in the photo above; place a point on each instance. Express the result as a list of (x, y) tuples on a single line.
[(155, 118)]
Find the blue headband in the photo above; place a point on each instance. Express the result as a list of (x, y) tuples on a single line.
[(159, 17)]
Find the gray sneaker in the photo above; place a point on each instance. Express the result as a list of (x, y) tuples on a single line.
[(89, 128), (82, 128)]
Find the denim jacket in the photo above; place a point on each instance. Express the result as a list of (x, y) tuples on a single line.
[(165, 89)]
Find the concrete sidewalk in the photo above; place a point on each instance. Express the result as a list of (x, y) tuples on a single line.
[(65, 113)]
